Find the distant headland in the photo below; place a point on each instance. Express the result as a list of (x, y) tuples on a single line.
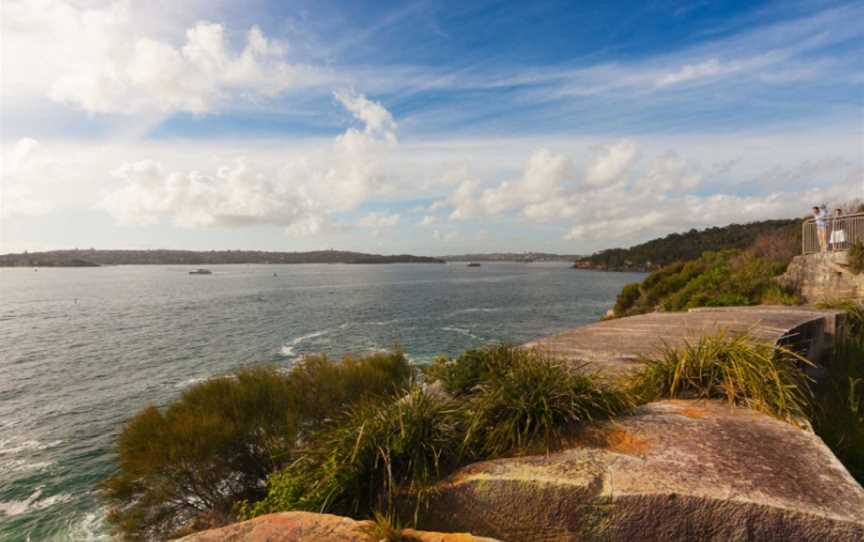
[(95, 258)]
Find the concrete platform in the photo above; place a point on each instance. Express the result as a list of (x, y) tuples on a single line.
[(613, 348)]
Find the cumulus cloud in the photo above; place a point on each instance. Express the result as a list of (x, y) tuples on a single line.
[(301, 195), (619, 201), (26, 165), (379, 122), (612, 162), (540, 182), (97, 60), (670, 173)]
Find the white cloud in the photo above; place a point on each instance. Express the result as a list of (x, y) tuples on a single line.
[(541, 181), (428, 220), (300, 195), (24, 166), (612, 162), (96, 59), (670, 173), (379, 122), (379, 223)]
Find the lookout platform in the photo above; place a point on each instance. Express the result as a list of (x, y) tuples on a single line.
[(615, 348)]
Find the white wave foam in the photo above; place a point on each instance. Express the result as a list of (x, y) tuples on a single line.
[(190, 381), (462, 331), (91, 528), (287, 349), (32, 503)]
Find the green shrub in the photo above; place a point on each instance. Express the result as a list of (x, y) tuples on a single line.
[(531, 402), (184, 467), (716, 279), (321, 387), (736, 368), (187, 465), (377, 449), (627, 298), (461, 375), (856, 257)]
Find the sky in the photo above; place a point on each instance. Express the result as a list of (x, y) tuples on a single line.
[(429, 127)]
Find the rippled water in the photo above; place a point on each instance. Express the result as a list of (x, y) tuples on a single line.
[(82, 349)]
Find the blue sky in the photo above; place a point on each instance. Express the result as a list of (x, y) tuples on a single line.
[(429, 127)]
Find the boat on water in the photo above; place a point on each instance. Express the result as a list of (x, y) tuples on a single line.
[(473, 264), (201, 272)]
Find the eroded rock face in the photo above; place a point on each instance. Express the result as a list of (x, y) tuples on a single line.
[(673, 471), (823, 277), (311, 527)]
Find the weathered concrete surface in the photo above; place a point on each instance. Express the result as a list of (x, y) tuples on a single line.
[(613, 348), (823, 277), (311, 527), (673, 471)]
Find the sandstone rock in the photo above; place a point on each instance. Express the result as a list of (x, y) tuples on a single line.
[(673, 471), (311, 527), (823, 277), (614, 348)]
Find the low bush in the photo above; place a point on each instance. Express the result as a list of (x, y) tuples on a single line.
[(359, 462), (716, 279), (531, 402), (184, 466), (321, 387), (627, 298), (736, 368), (462, 375)]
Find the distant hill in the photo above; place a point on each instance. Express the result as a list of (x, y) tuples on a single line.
[(92, 257), (511, 257), (685, 246)]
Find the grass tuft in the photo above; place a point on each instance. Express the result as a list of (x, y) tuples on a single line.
[(531, 402), (737, 368), (362, 460)]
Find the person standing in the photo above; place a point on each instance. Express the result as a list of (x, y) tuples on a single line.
[(838, 235), (820, 216)]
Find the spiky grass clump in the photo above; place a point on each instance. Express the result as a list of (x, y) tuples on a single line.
[(531, 402), (378, 449), (737, 368), (461, 376)]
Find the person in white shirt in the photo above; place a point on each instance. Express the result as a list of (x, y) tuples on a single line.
[(820, 216)]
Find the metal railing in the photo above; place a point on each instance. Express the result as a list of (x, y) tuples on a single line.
[(838, 234)]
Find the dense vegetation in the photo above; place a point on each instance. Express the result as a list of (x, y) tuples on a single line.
[(92, 257), (185, 466), (715, 279), (689, 246), (358, 436)]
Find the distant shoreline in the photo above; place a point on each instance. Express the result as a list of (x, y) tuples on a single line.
[(98, 258)]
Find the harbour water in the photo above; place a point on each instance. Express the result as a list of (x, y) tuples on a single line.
[(83, 349)]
